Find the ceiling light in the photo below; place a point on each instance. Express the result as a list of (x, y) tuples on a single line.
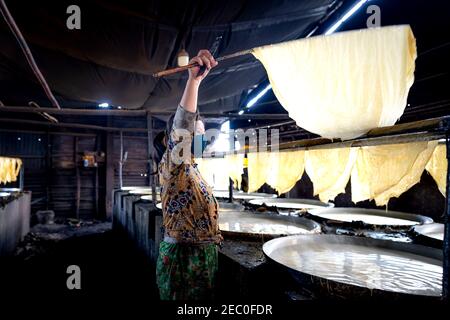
[(182, 58), (329, 31), (258, 96), (345, 17)]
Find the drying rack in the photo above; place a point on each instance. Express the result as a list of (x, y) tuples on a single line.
[(423, 130)]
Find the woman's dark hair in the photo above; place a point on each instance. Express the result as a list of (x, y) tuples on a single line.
[(160, 148), (158, 141)]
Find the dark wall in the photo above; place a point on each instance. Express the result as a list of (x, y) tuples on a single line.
[(53, 164), (423, 198)]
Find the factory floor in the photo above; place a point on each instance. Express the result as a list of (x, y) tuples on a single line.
[(110, 267)]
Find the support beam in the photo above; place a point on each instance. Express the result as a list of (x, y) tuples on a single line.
[(245, 116), (109, 179), (121, 161), (423, 130), (97, 195), (78, 178), (152, 178), (230, 190), (73, 125), (446, 245), (48, 170), (76, 112), (140, 113)]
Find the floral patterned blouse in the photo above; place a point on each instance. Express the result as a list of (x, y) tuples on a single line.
[(190, 211)]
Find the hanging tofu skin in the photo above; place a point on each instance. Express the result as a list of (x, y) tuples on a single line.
[(215, 177), (235, 164), (280, 170), (387, 171), (9, 169), (258, 163), (329, 170), (285, 169), (437, 167), (345, 84)]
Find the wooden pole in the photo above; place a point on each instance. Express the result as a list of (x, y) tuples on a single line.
[(121, 161), (97, 148), (195, 64), (47, 170), (45, 115), (151, 178), (77, 173), (109, 179)]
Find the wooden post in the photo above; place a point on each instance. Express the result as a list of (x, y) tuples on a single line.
[(109, 184), (77, 173), (151, 178), (47, 171), (231, 182), (230, 190), (97, 149), (121, 161)]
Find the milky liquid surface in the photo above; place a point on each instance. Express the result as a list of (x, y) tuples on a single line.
[(370, 267), (132, 188), (436, 235), (291, 205), (241, 195), (369, 219), (434, 230), (252, 223)]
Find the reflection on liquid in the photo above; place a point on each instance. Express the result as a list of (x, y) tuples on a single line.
[(433, 230), (436, 235), (253, 223), (371, 267), (242, 195)]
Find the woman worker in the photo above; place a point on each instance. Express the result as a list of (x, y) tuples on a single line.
[(187, 262)]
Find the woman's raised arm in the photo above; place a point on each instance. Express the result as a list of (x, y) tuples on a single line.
[(190, 95)]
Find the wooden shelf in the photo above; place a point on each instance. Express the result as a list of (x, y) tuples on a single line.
[(423, 130)]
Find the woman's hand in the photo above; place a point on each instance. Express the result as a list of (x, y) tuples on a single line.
[(204, 59), (190, 95)]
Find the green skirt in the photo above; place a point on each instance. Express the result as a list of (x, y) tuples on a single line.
[(186, 272)]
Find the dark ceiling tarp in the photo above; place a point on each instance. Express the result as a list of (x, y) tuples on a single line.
[(121, 43)]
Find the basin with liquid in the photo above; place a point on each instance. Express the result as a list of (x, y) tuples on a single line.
[(358, 267), (240, 223)]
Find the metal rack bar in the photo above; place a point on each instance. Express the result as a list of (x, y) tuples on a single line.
[(446, 244)]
